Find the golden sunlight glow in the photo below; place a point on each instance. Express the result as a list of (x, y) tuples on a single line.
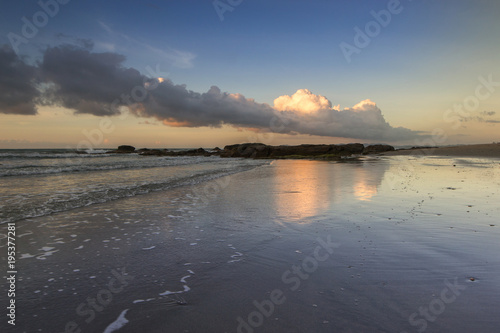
[(238, 97), (363, 105), (173, 123), (301, 191), (364, 192), (362, 189)]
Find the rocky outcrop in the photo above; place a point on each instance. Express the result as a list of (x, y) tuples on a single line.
[(162, 152), (377, 149), (260, 150), (165, 152), (122, 150), (252, 150), (152, 152)]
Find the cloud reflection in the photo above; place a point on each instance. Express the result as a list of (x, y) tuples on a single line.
[(306, 189)]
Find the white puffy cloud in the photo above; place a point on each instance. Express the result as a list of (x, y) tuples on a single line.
[(307, 113), (364, 106), (303, 100)]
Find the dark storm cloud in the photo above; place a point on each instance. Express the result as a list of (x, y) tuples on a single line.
[(84, 81), (18, 92), (178, 106)]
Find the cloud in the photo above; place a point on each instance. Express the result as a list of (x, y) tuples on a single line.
[(98, 83), (87, 82), (303, 100), (313, 114), (301, 113), (176, 58), (85, 43), (18, 92), (177, 106), (362, 121), (481, 118)]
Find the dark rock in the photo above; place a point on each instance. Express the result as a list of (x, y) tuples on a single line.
[(153, 152), (194, 152), (375, 149), (126, 148), (165, 152), (302, 150), (423, 147), (122, 150), (260, 150), (355, 148), (249, 150)]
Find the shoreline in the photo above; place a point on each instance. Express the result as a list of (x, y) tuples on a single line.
[(311, 151), (322, 151), (490, 150)]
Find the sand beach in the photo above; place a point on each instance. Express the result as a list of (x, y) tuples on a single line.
[(378, 244)]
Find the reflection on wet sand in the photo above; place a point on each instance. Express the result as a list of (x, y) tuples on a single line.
[(309, 188), (364, 190), (301, 191)]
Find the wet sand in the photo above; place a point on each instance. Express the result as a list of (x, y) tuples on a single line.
[(481, 150), (384, 244)]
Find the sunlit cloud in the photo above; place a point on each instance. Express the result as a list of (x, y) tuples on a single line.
[(303, 100)]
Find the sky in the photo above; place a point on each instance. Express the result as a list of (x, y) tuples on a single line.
[(178, 74)]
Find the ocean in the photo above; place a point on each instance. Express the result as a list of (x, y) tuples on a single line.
[(38, 182)]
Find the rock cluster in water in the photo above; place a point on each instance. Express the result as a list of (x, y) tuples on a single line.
[(260, 150), (163, 152)]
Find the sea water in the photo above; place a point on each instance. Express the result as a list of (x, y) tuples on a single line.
[(35, 182)]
